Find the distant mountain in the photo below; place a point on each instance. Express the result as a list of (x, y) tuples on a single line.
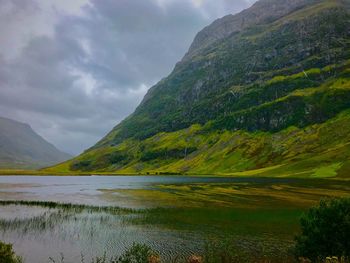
[(263, 92), (22, 148)]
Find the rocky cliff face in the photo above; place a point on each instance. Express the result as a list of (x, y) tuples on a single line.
[(262, 12), (276, 65)]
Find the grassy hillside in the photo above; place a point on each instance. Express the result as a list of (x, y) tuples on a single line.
[(313, 151), (259, 93), (210, 85)]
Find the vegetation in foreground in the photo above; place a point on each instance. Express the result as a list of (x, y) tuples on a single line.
[(325, 230), (7, 255)]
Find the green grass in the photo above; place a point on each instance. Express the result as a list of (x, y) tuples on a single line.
[(327, 171), (320, 150)]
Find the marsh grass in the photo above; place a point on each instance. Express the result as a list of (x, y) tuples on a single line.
[(69, 206), (209, 220), (56, 215)]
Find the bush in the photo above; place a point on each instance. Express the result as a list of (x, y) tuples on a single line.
[(7, 255), (325, 230), (83, 165)]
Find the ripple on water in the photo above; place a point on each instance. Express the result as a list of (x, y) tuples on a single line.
[(39, 233)]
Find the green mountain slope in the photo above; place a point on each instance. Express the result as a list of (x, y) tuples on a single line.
[(22, 148), (266, 91)]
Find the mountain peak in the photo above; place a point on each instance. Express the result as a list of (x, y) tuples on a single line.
[(21, 147), (263, 11)]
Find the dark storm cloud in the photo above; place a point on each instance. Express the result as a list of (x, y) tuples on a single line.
[(73, 72)]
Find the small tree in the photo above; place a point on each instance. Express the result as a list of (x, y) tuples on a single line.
[(7, 255), (325, 230)]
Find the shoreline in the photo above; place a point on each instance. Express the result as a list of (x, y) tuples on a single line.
[(234, 175)]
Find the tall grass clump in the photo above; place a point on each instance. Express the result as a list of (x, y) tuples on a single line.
[(7, 255), (325, 231)]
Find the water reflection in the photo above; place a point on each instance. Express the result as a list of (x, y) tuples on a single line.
[(39, 233), (265, 209)]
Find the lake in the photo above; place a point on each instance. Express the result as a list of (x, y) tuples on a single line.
[(175, 215)]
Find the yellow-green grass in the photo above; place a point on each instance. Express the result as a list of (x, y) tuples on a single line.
[(21, 172), (320, 150)]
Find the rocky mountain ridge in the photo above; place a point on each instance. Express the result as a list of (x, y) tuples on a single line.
[(265, 11)]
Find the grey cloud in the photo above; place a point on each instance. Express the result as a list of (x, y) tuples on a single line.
[(77, 80)]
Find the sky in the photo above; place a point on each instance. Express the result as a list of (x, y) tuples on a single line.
[(73, 69)]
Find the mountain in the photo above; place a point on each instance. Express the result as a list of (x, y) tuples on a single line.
[(263, 92), (22, 148)]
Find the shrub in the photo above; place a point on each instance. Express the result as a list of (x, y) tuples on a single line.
[(325, 230), (7, 255), (82, 165)]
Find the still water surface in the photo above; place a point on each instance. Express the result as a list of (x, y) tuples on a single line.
[(91, 189), (38, 233)]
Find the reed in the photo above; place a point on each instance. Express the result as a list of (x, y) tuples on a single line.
[(70, 206)]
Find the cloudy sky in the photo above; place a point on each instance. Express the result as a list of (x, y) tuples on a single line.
[(73, 69)]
